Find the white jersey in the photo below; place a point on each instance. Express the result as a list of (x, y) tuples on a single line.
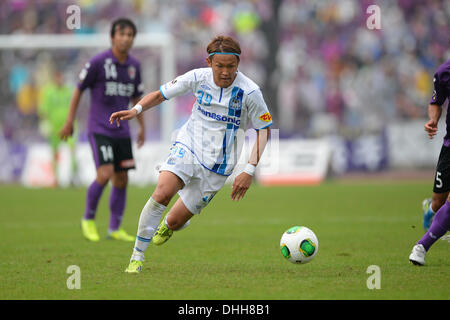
[(216, 128)]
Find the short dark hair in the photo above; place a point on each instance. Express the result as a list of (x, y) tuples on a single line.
[(123, 23), (224, 44)]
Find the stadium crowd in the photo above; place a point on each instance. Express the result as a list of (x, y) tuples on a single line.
[(331, 74)]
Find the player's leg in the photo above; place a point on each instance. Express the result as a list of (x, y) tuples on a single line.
[(117, 202), (54, 144), (182, 211), (167, 186), (105, 169), (438, 228), (93, 196), (440, 222), (94, 193), (174, 175), (104, 162), (430, 206), (179, 216), (71, 142), (441, 187), (177, 219), (194, 197), (123, 161)]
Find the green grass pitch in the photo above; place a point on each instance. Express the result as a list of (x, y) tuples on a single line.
[(231, 251)]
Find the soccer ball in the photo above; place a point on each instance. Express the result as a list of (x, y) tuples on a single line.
[(299, 244)]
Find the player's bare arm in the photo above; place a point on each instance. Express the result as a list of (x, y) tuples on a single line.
[(434, 114), (67, 129), (141, 133), (244, 180), (148, 101)]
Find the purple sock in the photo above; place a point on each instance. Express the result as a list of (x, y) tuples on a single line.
[(439, 227), (94, 193), (117, 207)]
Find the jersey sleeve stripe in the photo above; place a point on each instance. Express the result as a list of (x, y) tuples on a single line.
[(265, 126), (160, 89)]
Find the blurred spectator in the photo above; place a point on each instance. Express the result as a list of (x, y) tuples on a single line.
[(53, 108), (332, 74)]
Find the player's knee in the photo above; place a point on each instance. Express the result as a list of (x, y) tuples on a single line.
[(120, 180), (173, 223), (104, 173), (438, 200), (103, 178), (161, 196)]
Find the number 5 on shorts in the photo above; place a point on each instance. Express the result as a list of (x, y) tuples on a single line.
[(438, 180)]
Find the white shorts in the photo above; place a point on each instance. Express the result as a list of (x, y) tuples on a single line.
[(200, 184)]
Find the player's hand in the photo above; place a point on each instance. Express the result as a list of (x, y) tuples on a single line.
[(241, 185), (140, 138), (122, 115), (431, 128), (66, 131)]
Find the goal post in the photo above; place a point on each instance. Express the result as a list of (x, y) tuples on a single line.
[(163, 41)]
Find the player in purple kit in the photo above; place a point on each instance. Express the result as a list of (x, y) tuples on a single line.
[(440, 202), (114, 80)]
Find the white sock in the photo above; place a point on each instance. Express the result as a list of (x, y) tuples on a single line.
[(148, 223)]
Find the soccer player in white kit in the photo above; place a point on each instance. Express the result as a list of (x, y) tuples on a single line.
[(208, 145)]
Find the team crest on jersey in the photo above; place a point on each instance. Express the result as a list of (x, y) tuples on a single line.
[(236, 99), (266, 117), (236, 103), (204, 86), (132, 72)]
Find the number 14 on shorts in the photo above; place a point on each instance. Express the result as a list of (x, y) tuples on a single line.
[(107, 153)]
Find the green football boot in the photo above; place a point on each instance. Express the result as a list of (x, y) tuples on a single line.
[(121, 235), (89, 230), (162, 234), (135, 267)]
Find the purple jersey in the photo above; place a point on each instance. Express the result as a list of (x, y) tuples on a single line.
[(112, 86), (442, 92)]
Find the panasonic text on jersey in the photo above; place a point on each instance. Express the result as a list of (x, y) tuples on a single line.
[(219, 117)]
